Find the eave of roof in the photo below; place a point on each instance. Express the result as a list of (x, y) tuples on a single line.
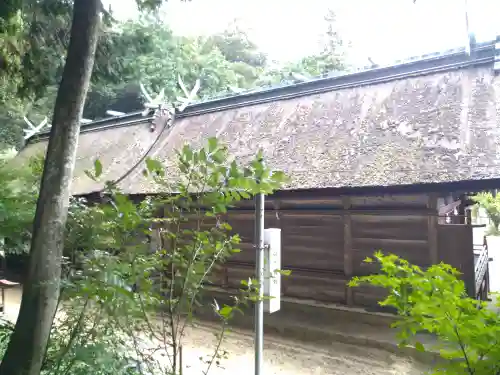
[(483, 53), (463, 187)]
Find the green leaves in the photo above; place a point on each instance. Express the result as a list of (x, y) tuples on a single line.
[(96, 173), (225, 312), (434, 301), (491, 204), (18, 198), (419, 346), (211, 169), (212, 144), (97, 168), (155, 167), (284, 272), (189, 238)]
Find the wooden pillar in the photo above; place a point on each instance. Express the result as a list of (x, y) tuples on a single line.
[(468, 217), (348, 253), (432, 228), (461, 210)]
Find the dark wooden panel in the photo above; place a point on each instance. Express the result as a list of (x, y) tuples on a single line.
[(249, 204), (236, 274), (419, 258), (369, 296), (315, 257), (314, 285), (432, 230), (246, 254), (392, 227), (218, 276), (312, 241), (455, 247), (312, 214), (311, 202), (415, 251), (386, 201), (390, 244), (325, 239), (398, 217), (242, 223), (348, 250)]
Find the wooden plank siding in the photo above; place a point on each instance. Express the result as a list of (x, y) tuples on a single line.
[(325, 240)]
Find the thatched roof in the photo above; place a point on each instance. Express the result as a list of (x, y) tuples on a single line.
[(434, 120)]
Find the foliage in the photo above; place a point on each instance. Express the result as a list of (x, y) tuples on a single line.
[(6, 329), (11, 44), (136, 271), (329, 60), (123, 297), (147, 51), (435, 301), (240, 51), (127, 53), (491, 204), (17, 203)]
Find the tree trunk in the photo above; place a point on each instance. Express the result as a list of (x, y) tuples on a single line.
[(27, 345)]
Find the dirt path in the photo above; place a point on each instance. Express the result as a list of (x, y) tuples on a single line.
[(283, 357), (286, 357)]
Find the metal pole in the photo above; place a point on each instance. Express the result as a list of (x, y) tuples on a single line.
[(259, 270)]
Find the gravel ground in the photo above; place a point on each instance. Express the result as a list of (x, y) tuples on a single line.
[(283, 357), (286, 357)]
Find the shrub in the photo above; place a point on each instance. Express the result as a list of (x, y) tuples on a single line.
[(127, 301), (435, 301), (491, 204)]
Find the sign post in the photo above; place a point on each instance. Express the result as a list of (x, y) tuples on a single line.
[(259, 271)]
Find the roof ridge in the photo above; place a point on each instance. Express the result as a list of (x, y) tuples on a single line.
[(412, 66), (337, 73)]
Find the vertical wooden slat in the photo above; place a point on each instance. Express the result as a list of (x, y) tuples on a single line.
[(348, 252), (468, 217), (432, 228), (461, 210)]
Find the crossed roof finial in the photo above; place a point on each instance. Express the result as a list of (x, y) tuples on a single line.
[(32, 129), (152, 102), (158, 102)]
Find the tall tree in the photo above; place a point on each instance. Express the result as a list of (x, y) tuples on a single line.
[(27, 345), (147, 51), (236, 46), (328, 60)]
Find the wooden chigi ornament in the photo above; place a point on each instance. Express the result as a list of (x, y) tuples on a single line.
[(32, 129)]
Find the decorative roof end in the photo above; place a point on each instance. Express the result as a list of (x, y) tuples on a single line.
[(497, 55)]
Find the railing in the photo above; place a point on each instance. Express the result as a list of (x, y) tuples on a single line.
[(481, 260)]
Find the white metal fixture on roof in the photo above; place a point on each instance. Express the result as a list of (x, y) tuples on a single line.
[(115, 113), (32, 129), (158, 102), (299, 77), (152, 103), (189, 95)]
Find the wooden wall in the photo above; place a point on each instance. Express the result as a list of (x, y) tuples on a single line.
[(325, 239)]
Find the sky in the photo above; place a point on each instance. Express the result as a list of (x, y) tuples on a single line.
[(384, 30)]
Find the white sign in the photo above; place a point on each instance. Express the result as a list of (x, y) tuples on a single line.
[(272, 264)]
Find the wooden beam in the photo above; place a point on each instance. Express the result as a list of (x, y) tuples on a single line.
[(432, 229), (449, 207), (348, 253)]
